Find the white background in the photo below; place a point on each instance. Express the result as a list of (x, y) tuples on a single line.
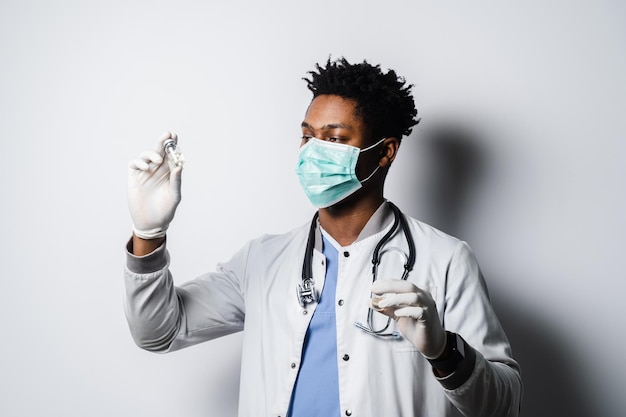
[(521, 152)]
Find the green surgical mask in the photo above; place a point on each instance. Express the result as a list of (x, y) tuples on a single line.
[(327, 171)]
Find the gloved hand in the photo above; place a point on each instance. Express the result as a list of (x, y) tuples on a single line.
[(153, 191), (415, 313)]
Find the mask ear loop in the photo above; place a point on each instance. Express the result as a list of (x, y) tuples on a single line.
[(371, 175), (372, 146), (378, 166)]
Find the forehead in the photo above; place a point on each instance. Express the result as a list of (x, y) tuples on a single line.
[(330, 110)]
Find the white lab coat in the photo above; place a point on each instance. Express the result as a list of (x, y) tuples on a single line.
[(256, 292)]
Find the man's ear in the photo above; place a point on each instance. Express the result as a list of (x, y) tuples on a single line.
[(388, 152)]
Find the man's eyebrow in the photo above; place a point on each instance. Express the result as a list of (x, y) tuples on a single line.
[(328, 126)]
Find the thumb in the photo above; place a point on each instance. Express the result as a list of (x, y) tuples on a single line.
[(176, 180)]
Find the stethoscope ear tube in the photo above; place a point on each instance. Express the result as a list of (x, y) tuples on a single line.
[(384, 239), (306, 291), (409, 240)]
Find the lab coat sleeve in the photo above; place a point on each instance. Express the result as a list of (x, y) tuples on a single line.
[(163, 317), (493, 386)]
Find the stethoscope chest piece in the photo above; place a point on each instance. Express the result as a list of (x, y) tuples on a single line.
[(306, 292)]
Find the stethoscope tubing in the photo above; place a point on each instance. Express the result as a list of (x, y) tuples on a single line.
[(306, 292)]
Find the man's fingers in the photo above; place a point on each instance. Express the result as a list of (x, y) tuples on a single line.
[(139, 165), (388, 300), (146, 161), (413, 312), (151, 157), (383, 286)]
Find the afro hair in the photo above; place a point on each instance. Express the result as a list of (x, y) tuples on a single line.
[(383, 100)]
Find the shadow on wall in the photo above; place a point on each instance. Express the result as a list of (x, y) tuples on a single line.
[(451, 166), (552, 387), (453, 161)]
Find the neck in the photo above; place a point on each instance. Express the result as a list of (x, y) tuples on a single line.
[(344, 222)]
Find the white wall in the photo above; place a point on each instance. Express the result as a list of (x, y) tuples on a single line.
[(520, 152)]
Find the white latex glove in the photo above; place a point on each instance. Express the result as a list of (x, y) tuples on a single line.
[(415, 313), (153, 191)]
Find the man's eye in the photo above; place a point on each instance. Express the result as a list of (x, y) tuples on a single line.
[(306, 138), (333, 139)]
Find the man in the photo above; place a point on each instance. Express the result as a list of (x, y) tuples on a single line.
[(422, 340)]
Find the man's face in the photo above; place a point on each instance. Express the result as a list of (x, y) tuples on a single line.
[(334, 119)]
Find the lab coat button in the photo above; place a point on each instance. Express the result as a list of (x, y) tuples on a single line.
[(305, 312), (293, 365), (340, 302), (346, 357), (346, 254), (348, 412)]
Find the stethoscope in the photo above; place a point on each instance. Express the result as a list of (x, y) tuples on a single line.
[(306, 292)]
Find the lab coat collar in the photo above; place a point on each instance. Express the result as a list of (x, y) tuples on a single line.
[(382, 217)]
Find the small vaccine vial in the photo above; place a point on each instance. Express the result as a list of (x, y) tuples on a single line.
[(173, 153), (375, 301)]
